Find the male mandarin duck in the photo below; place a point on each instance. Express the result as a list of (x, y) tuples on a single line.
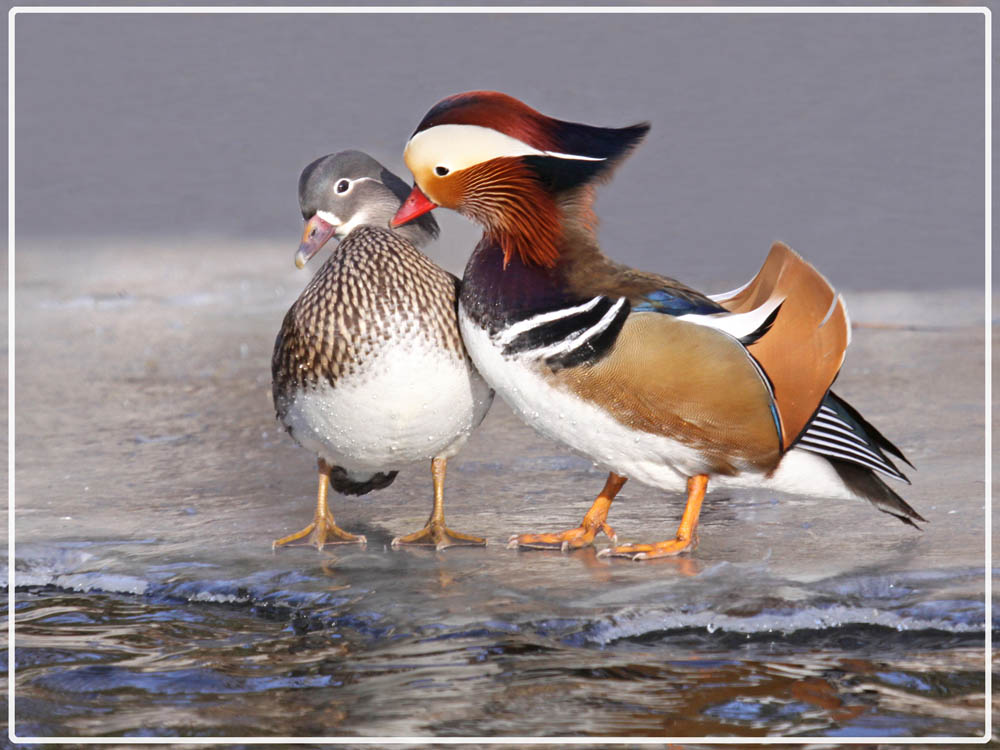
[(649, 378), (369, 371)]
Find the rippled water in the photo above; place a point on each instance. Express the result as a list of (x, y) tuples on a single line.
[(475, 642), (104, 664)]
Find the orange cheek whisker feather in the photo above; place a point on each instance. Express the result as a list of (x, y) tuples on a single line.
[(519, 214)]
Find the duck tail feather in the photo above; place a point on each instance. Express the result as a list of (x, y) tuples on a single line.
[(865, 483), (346, 484)]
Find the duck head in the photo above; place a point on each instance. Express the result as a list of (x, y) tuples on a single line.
[(341, 191), (508, 167)]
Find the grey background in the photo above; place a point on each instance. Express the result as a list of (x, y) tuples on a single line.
[(858, 139)]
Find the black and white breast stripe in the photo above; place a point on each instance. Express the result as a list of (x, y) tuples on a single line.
[(834, 432), (568, 336)]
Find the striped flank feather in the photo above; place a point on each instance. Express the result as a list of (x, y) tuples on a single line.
[(838, 431), (568, 336)]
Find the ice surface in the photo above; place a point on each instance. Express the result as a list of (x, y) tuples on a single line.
[(148, 460)]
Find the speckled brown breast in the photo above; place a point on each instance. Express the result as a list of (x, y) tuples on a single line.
[(374, 287)]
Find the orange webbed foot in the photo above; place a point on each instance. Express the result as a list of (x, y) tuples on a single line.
[(440, 537), (323, 530), (435, 532), (593, 522), (581, 536), (687, 537), (669, 548)]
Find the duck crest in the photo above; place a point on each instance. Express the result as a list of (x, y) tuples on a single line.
[(526, 177), (590, 150), (492, 109)]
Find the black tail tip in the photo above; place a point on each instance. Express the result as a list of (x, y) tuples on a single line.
[(342, 483), (908, 520), (866, 484)]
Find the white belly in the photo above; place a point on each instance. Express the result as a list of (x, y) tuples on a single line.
[(652, 459), (410, 402), (561, 415)]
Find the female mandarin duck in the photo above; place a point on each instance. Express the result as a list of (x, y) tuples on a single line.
[(369, 370), (649, 378)]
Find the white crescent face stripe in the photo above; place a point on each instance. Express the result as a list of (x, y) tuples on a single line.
[(355, 221), (457, 147), (578, 157), (342, 228), (330, 218)]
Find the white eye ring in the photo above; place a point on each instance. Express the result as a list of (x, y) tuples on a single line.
[(342, 186), (441, 171)]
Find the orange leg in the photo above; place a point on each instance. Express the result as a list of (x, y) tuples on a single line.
[(435, 532), (584, 534), (323, 529), (687, 537)]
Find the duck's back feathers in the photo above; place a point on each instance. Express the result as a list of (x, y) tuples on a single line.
[(676, 302)]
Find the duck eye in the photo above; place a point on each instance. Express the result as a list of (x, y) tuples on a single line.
[(441, 171), (343, 186)]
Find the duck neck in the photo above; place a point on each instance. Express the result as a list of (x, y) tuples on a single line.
[(419, 232), (495, 294)]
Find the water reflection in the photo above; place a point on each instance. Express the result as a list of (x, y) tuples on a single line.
[(108, 664)]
